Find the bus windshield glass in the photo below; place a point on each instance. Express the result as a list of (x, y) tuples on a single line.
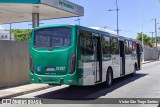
[(52, 37)]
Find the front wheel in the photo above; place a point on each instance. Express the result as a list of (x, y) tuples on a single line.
[(109, 78)]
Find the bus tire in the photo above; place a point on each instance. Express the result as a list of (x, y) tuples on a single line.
[(73, 86), (109, 78)]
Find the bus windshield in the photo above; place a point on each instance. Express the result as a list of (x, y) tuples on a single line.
[(52, 37)]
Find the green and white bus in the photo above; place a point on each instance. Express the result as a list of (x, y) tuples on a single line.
[(77, 55)]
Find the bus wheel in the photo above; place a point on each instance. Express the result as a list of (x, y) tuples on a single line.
[(73, 86), (109, 78)]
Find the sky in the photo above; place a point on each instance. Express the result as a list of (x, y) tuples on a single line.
[(97, 15)]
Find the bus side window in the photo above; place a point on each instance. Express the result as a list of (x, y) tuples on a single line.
[(126, 47), (106, 44), (130, 47), (86, 43), (114, 46)]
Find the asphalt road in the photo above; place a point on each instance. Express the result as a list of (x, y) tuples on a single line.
[(144, 84)]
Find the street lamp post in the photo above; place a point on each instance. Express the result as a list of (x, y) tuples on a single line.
[(142, 32), (156, 32), (155, 25), (117, 9)]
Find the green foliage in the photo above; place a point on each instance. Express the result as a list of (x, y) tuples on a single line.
[(21, 34), (151, 44), (158, 39), (147, 39)]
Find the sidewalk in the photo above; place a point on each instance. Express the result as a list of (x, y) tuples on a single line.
[(145, 62), (20, 90)]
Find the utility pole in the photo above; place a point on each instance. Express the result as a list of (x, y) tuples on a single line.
[(117, 9), (142, 33), (117, 17), (152, 36), (155, 20)]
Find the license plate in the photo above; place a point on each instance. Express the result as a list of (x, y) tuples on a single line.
[(50, 79), (50, 69)]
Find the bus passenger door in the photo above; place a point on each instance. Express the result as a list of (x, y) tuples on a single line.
[(98, 58), (122, 58), (138, 57)]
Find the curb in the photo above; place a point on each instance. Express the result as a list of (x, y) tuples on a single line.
[(25, 92), (149, 62)]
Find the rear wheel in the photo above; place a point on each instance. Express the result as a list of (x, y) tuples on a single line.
[(109, 78), (73, 86)]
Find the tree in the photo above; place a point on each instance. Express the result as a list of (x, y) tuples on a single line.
[(21, 34), (146, 38)]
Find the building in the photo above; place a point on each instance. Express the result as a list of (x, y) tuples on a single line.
[(5, 35)]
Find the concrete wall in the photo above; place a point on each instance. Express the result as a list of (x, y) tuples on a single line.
[(151, 53), (13, 63)]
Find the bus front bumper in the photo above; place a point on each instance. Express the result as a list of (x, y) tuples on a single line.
[(51, 79)]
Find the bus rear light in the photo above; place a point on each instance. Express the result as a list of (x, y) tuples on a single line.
[(72, 65), (31, 64)]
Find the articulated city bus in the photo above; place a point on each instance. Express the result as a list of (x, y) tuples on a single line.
[(76, 55)]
